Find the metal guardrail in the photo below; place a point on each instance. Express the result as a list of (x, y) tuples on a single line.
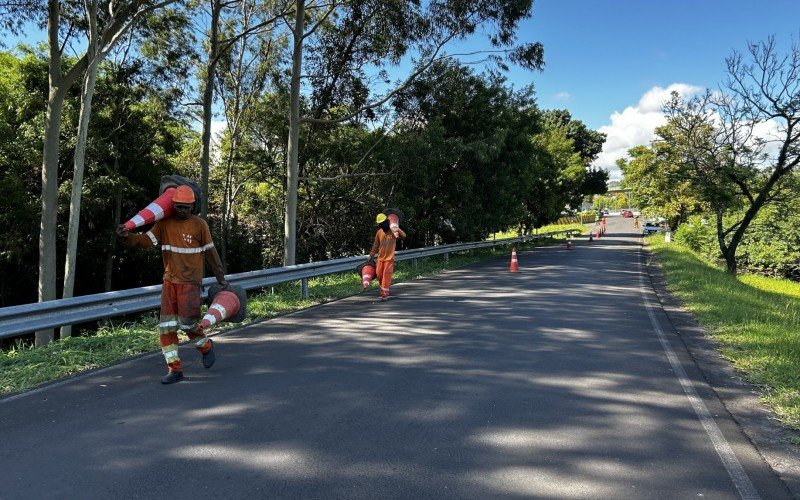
[(16, 320)]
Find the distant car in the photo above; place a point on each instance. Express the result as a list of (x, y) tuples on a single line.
[(651, 227), (606, 211), (627, 214)]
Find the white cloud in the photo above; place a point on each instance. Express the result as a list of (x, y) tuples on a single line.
[(635, 125), (562, 96)]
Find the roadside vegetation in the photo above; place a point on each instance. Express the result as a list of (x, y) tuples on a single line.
[(755, 319), (23, 366)]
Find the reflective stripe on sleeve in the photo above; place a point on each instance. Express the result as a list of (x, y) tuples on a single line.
[(152, 238)]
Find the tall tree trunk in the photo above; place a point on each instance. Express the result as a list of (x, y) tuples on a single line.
[(79, 166), (208, 98), (50, 152), (292, 170)]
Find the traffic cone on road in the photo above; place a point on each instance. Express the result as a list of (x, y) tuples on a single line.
[(161, 208), (514, 262), (569, 245)]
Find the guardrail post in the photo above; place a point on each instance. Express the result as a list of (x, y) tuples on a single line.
[(446, 257), (415, 263), (304, 288)]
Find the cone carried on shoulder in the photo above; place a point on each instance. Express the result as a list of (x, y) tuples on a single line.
[(514, 261), (161, 208)]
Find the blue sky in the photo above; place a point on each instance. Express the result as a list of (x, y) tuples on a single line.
[(602, 57)]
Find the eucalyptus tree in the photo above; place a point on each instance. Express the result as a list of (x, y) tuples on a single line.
[(221, 14), (109, 22), (147, 22), (245, 72), (351, 39)]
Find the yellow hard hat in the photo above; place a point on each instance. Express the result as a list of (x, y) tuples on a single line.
[(380, 218)]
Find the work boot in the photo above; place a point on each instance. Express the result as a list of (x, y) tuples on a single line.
[(209, 357), (171, 377)]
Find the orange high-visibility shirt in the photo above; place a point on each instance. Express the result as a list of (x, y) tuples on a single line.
[(385, 244), (183, 246)]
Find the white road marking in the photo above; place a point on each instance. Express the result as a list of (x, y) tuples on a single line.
[(726, 454)]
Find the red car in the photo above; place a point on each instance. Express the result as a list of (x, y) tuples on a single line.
[(627, 214)]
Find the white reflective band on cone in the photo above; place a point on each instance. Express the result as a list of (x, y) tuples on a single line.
[(210, 318), (158, 212), (221, 310)]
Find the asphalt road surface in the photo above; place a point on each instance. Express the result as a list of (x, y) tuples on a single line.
[(562, 380)]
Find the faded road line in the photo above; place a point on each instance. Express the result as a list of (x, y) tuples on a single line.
[(729, 460)]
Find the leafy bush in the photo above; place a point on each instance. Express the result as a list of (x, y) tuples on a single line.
[(700, 236)]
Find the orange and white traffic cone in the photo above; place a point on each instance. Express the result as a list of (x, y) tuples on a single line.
[(161, 208), (226, 304), (367, 273), (514, 261), (569, 245)]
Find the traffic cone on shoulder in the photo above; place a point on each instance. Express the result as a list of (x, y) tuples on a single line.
[(514, 261), (569, 245)]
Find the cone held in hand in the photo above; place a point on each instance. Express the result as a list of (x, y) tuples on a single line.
[(367, 272), (225, 304), (514, 261), (161, 208)]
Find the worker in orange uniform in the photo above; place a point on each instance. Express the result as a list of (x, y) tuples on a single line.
[(383, 247), (185, 240)]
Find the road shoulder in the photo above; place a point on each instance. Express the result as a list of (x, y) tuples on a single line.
[(740, 397)]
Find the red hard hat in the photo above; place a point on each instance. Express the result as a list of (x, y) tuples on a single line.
[(183, 194)]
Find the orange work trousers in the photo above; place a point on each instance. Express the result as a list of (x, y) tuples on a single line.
[(180, 311), (384, 273)]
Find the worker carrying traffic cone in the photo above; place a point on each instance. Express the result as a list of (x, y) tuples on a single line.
[(514, 261), (185, 241), (383, 247)]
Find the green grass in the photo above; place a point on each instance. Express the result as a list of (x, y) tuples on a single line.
[(23, 367), (755, 319)]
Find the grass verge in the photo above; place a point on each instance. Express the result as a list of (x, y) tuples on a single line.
[(755, 319), (23, 367)]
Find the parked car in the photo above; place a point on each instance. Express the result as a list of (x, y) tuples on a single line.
[(627, 214), (651, 227)]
